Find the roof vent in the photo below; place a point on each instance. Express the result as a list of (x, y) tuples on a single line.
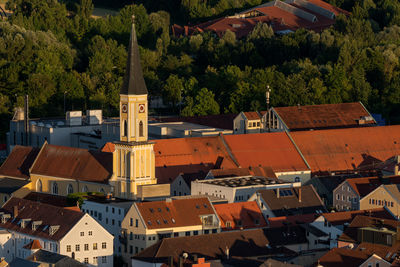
[(53, 229), (24, 222), (5, 217), (35, 225)]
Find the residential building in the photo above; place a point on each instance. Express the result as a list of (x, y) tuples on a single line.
[(222, 121), (63, 231), (249, 122), (239, 216), (109, 212), (148, 222), (6, 248), (334, 223), (348, 194), (262, 171), (283, 16), (49, 259), (10, 187), (288, 201), (317, 117), (237, 189), (386, 195), (181, 186)]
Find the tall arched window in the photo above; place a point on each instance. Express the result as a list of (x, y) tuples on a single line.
[(85, 189), (38, 186), (140, 128), (125, 128), (55, 188), (70, 189)]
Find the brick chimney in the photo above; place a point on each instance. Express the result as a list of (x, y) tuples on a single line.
[(277, 192), (300, 194), (15, 211)]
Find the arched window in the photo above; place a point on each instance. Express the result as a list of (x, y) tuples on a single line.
[(55, 188), (85, 189), (38, 186), (70, 189), (125, 128), (140, 128)]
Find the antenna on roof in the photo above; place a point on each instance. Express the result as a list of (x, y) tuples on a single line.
[(267, 95)]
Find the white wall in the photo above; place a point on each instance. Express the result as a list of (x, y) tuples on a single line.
[(179, 187), (6, 247), (290, 176), (326, 227)]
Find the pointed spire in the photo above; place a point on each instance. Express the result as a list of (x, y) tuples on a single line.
[(133, 80)]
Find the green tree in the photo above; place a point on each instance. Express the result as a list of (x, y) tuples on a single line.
[(205, 103)]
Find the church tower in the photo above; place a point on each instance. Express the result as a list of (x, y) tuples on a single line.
[(133, 159)]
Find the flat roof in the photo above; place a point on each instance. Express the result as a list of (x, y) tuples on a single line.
[(242, 181), (181, 125)]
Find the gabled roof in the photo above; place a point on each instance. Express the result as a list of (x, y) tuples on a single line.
[(346, 149), (360, 221), (291, 201), (133, 83), (189, 155), (343, 256), (339, 218), (388, 253), (393, 189), (34, 244), (240, 215), (19, 161), (341, 115), (252, 115), (49, 216), (266, 149), (73, 163), (174, 212), (10, 185), (264, 171), (364, 186)]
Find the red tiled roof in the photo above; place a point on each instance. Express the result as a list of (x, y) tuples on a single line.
[(252, 115), (189, 155), (341, 115), (275, 222), (339, 218), (174, 213), (343, 256), (346, 149), (48, 214), (266, 149), (108, 147), (240, 215), (34, 244), (73, 163), (19, 161), (364, 186)]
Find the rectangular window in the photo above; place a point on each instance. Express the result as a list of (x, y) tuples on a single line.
[(68, 248), (131, 249), (77, 248), (187, 233), (195, 232), (82, 233), (95, 260), (100, 216), (137, 223), (113, 222), (86, 247), (131, 222), (104, 259), (94, 246), (95, 214), (112, 210), (106, 209), (337, 196), (136, 250), (90, 232), (86, 260), (343, 197), (104, 245)]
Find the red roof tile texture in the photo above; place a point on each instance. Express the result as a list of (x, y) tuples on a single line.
[(48, 214), (364, 186), (343, 256), (73, 163), (342, 115), (240, 215), (339, 218), (19, 161), (275, 222), (266, 149), (346, 149), (174, 213)]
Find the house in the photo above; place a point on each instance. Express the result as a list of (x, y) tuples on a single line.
[(109, 212), (386, 195), (289, 201), (318, 117), (47, 258), (371, 230), (248, 122), (348, 194), (10, 187), (148, 222), (59, 230), (241, 215), (237, 189), (334, 223), (19, 162), (181, 186), (283, 16)]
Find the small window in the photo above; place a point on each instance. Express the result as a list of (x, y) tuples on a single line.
[(68, 248), (104, 245), (90, 232), (86, 247), (77, 248), (94, 246), (82, 233)]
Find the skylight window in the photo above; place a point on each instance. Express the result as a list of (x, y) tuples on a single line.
[(158, 222), (149, 222), (205, 206), (173, 220), (165, 221), (197, 207), (159, 209), (167, 209), (151, 210)]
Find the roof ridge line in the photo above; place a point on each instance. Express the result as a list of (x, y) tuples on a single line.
[(37, 156), (233, 158), (298, 150)]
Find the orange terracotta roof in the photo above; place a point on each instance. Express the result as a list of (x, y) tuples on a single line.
[(339, 218), (34, 244), (174, 213), (73, 163), (364, 186), (252, 115), (189, 155), (108, 147), (329, 7), (19, 161), (343, 256), (266, 149), (346, 149), (341, 115), (240, 215), (275, 222)]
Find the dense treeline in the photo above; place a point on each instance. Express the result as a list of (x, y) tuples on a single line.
[(51, 50)]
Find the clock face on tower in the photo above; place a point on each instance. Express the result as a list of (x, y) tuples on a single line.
[(142, 108), (124, 108)]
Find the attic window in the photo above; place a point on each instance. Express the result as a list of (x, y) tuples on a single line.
[(158, 222), (257, 221), (197, 207), (45, 228), (151, 210), (165, 221), (167, 209), (159, 209), (173, 220), (53, 229), (149, 222), (205, 206)]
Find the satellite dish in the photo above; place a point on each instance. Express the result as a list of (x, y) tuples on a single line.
[(185, 255)]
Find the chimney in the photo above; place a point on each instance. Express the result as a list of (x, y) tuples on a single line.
[(277, 193), (300, 194), (15, 211), (227, 252)]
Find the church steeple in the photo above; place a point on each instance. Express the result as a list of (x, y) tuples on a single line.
[(133, 81)]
